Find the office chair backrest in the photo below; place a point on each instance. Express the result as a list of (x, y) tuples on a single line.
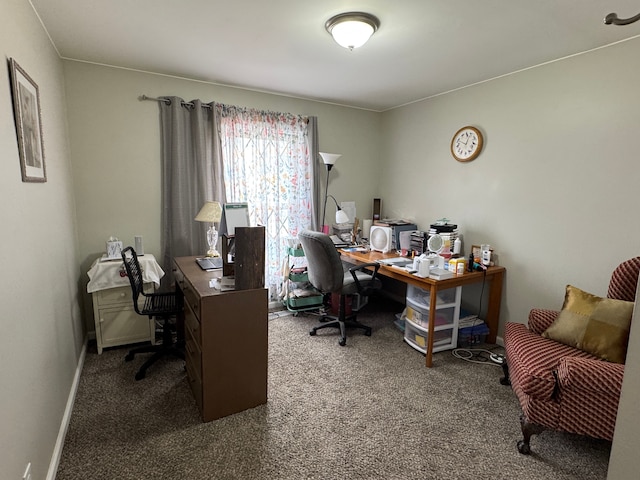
[(132, 266), (324, 264)]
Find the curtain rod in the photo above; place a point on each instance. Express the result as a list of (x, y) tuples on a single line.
[(189, 104), (168, 102)]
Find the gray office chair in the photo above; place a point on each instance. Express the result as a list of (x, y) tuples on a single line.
[(327, 275)]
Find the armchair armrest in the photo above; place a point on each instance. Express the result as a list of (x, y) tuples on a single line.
[(590, 374), (361, 268), (540, 319)]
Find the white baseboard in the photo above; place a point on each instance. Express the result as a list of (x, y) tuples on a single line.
[(500, 341), (66, 418)]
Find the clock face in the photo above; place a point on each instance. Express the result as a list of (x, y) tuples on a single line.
[(466, 144)]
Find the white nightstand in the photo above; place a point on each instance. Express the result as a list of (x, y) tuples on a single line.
[(116, 321)]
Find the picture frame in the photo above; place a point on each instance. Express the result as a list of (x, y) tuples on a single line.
[(28, 119)]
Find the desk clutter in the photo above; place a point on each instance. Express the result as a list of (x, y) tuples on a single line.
[(432, 263), (436, 253)]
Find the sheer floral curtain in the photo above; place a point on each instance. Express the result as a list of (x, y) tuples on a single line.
[(268, 162)]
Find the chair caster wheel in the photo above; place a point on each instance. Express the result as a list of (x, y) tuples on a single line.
[(524, 448), (129, 357), (140, 375), (342, 342), (367, 332), (312, 332)]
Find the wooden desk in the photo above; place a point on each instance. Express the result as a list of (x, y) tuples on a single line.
[(494, 275), (226, 340)]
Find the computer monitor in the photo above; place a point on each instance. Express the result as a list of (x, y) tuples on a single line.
[(235, 215)]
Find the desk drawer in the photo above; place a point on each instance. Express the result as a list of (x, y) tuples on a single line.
[(178, 277), (191, 299), (193, 356), (192, 324), (196, 385)]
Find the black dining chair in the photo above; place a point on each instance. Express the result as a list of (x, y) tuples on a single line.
[(160, 306)]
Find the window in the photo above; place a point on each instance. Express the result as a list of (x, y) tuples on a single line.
[(267, 163)]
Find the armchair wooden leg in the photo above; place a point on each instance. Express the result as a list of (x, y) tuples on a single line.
[(528, 429), (505, 369)]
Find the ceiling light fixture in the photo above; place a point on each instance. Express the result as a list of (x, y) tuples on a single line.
[(353, 29)]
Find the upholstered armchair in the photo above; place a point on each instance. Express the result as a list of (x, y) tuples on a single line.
[(566, 368)]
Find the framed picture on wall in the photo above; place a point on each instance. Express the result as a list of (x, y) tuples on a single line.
[(26, 108)]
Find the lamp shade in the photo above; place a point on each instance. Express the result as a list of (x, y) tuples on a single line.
[(352, 30), (342, 217), (210, 212), (330, 158)]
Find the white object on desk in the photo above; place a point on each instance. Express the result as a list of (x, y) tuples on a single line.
[(440, 274), (366, 227), (380, 238)]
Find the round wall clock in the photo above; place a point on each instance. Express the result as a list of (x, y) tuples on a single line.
[(466, 144)]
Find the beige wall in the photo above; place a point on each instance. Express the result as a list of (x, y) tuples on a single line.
[(555, 190), (41, 328), (115, 144), (555, 186)]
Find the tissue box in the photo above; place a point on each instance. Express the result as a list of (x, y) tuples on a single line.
[(114, 249)]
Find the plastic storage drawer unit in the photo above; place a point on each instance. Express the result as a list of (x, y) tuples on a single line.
[(420, 315), (422, 297), (417, 338)]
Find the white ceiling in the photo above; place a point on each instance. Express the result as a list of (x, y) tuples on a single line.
[(423, 47)]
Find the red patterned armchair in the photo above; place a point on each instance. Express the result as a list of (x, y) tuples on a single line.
[(562, 387)]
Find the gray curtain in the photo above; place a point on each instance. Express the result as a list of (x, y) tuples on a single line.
[(192, 173), (316, 201)]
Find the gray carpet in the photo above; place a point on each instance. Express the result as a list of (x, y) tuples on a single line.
[(370, 410)]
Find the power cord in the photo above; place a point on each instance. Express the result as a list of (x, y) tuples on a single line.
[(479, 355), (484, 281)]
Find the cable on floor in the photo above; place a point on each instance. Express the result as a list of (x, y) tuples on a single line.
[(479, 355)]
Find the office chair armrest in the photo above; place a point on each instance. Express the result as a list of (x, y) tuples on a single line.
[(362, 267)]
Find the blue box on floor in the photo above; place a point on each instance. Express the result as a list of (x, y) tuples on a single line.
[(471, 336)]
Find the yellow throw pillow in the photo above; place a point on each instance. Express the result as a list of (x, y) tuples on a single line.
[(593, 324)]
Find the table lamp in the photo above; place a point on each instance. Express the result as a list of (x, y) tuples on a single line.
[(211, 212), (341, 215)]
